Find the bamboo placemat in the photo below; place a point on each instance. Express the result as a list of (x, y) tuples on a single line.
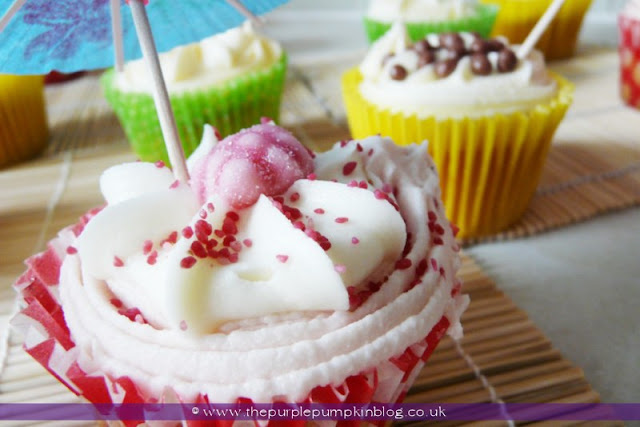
[(503, 356)]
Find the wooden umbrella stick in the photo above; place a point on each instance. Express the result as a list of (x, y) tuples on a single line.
[(116, 30), (538, 29), (13, 9), (160, 95)]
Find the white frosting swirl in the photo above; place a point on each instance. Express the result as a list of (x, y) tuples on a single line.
[(283, 354), (212, 61), (420, 10), (459, 94)]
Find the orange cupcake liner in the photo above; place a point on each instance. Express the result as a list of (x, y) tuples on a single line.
[(23, 131)]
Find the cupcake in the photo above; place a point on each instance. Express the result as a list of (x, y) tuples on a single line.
[(629, 48), (229, 80), (518, 17), (23, 120), (429, 16), (276, 275), (488, 117)]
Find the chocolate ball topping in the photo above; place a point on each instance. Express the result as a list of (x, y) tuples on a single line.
[(422, 47), (446, 67), (479, 46), (445, 53), (495, 45), (480, 64), (426, 58), (507, 60), (398, 72)]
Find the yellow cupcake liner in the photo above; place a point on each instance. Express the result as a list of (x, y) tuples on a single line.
[(516, 18), (489, 166), (23, 121)]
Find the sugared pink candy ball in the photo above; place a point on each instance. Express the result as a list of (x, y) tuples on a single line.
[(264, 159)]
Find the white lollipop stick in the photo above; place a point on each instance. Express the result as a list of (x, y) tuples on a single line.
[(246, 12), (538, 29), (13, 9), (160, 95), (116, 30)]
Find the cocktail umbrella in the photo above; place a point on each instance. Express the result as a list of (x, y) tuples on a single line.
[(38, 36)]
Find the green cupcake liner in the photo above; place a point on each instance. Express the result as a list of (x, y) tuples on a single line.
[(482, 23), (235, 105)]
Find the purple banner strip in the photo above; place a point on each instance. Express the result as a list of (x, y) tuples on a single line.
[(314, 411)]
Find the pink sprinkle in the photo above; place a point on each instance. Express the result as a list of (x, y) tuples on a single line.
[(116, 302), (434, 263), (229, 227), (217, 133), (437, 241), (319, 211), (379, 194), (236, 246), (359, 147), (198, 249), (387, 188), (187, 262), (172, 238), (139, 319), (295, 197), (432, 216), (117, 262), (455, 247), (233, 216), (370, 153), (174, 184), (355, 240), (152, 258), (403, 264), (210, 207), (340, 268), (282, 258), (442, 271), (312, 176), (265, 120), (247, 242), (342, 219), (454, 229), (344, 143), (233, 257), (348, 168), (363, 185), (147, 246), (159, 164), (438, 229), (187, 232), (298, 225), (183, 325), (71, 250), (202, 214), (352, 183), (203, 227)]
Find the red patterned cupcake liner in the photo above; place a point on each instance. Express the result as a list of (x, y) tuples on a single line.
[(48, 340), (629, 49)]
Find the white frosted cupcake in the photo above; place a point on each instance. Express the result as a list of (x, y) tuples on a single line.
[(487, 116), (276, 275)]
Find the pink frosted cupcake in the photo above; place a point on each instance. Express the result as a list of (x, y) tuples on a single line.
[(276, 275), (629, 47)]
